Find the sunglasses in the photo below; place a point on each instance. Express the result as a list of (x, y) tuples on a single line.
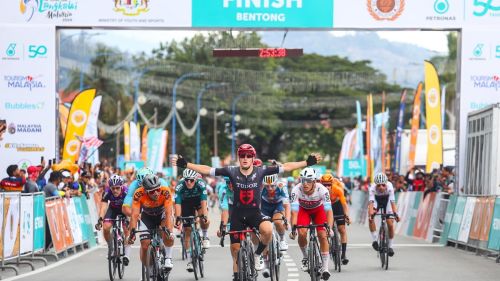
[(116, 187), (327, 184), (154, 191), (190, 180), (245, 156), (379, 185), (307, 180)]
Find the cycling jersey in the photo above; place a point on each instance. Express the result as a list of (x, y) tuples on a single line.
[(276, 195), (337, 193), (114, 202), (152, 207), (183, 194), (382, 199), (247, 189), (319, 197), (133, 187), (225, 195)]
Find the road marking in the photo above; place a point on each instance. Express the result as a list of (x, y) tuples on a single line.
[(287, 260), (290, 264), (294, 269), (293, 279), (51, 266), (293, 275)]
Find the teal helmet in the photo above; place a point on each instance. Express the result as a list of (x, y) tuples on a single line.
[(290, 179), (141, 173)]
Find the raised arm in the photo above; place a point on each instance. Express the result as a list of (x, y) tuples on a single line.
[(181, 162), (313, 159)]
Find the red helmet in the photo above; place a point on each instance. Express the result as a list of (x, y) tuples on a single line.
[(257, 162), (245, 149)]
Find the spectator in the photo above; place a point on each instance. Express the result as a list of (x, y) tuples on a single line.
[(14, 182), (82, 185), (400, 184), (23, 173), (431, 184), (51, 188), (448, 179), (67, 180), (418, 183), (31, 185)]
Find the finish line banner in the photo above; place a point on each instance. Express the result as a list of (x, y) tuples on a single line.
[(263, 13)]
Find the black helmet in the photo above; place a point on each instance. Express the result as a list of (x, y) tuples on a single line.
[(150, 182)]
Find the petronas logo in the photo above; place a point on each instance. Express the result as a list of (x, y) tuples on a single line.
[(441, 6)]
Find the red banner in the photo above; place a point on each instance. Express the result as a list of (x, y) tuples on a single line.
[(55, 221), (475, 227), (68, 237), (424, 216), (485, 224)]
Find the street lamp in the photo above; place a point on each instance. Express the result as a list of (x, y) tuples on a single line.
[(216, 147), (233, 124), (174, 96), (198, 106)]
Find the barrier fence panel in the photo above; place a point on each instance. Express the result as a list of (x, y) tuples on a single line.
[(476, 218), (457, 218), (403, 212), (26, 230), (417, 198), (1, 226), (494, 237), (486, 219), (68, 237), (77, 202), (436, 217), (11, 226), (423, 219), (74, 223), (447, 219), (357, 200), (91, 203), (88, 229), (39, 222), (463, 235), (55, 221)]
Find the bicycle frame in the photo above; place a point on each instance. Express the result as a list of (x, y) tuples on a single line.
[(383, 238), (314, 253), (158, 258), (197, 250), (246, 262)]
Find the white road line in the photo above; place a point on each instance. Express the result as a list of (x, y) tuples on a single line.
[(287, 260), (290, 264), (51, 266), (294, 269), (293, 275), (292, 279)]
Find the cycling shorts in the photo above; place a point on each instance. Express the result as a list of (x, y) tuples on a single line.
[(338, 210), (318, 216), (382, 202), (112, 213), (269, 209), (189, 208), (151, 222), (243, 218)]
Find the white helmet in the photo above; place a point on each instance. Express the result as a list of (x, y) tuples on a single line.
[(308, 174), (380, 178), (189, 174)]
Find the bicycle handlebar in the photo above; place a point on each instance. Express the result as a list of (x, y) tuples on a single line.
[(223, 234), (283, 218), (203, 217)]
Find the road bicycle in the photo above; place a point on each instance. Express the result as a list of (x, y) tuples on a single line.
[(115, 257), (197, 251), (335, 248), (315, 262), (383, 238), (155, 255), (246, 260), (274, 253)]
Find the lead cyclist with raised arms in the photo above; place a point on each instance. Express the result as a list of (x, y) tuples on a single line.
[(247, 184)]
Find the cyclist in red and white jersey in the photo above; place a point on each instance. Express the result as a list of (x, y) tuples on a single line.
[(311, 200)]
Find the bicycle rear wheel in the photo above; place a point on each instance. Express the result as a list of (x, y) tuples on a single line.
[(338, 262), (200, 251), (112, 265), (120, 253), (313, 261), (271, 257)]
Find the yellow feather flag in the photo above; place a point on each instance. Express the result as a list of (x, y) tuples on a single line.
[(126, 140), (433, 116), (77, 122)]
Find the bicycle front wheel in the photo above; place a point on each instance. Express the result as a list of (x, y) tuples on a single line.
[(200, 251), (120, 253), (386, 246), (277, 260), (194, 253), (243, 264), (313, 261), (382, 246), (152, 270), (112, 265), (336, 240), (271, 256)]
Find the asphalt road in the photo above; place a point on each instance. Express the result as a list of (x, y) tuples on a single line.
[(414, 260)]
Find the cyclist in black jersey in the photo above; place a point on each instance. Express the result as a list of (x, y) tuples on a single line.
[(247, 184)]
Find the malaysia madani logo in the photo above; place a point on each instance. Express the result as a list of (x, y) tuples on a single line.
[(28, 8), (388, 10), (131, 7)]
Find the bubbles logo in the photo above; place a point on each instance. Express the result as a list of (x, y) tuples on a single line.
[(28, 8), (441, 6)]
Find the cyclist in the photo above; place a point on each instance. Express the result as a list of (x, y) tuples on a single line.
[(191, 200), (311, 200), (274, 199), (225, 203), (381, 196), (113, 197), (339, 208), (153, 202), (141, 173), (290, 181), (247, 185)]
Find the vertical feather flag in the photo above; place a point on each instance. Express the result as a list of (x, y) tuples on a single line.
[(126, 140), (399, 132), (415, 125), (433, 116)]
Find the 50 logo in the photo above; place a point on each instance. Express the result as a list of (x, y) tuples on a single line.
[(485, 6), (37, 51)]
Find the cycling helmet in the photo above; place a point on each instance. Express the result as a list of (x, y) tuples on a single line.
[(257, 162), (327, 178), (290, 179), (271, 179), (227, 180), (308, 174), (246, 149), (150, 182), (380, 178), (115, 180), (189, 174), (142, 173)]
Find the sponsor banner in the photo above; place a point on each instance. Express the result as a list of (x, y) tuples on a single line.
[(358, 206), (132, 165), (398, 13), (74, 221), (1, 224), (480, 78), (486, 218), (482, 12), (403, 204), (10, 230), (92, 154), (118, 13), (263, 13), (463, 234), (77, 122), (369, 129), (162, 137), (55, 222), (456, 221), (93, 204), (27, 84), (450, 209), (399, 132), (476, 218), (415, 125), (144, 144), (26, 232), (413, 212), (359, 135), (433, 118), (39, 222), (494, 237), (87, 226), (353, 167), (66, 226), (63, 118), (135, 144), (423, 219)]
